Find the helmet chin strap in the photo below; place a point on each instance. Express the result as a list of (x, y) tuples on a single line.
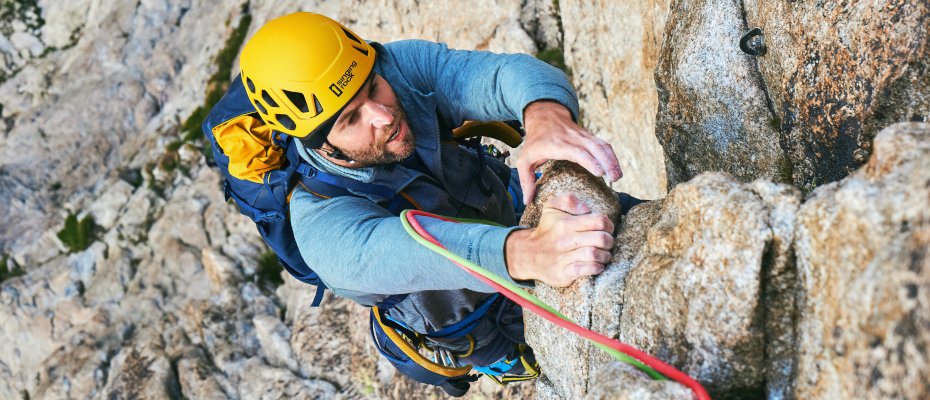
[(335, 153)]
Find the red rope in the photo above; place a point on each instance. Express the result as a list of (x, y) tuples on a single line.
[(651, 361)]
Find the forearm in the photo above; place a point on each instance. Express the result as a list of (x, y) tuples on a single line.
[(480, 85), (358, 248)]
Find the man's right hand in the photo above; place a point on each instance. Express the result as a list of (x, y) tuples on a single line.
[(568, 243)]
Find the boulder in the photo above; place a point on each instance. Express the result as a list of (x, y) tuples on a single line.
[(621, 381), (612, 48), (714, 113), (563, 356), (804, 112), (141, 371), (863, 260), (498, 29), (684, 285), (836, 73), (275, 337)]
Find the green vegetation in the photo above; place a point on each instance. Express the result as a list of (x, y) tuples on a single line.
[(219, 82), (168, 161), (8, 268), (555, 58), (77, 235), (174, 146), (26, 11), (785, 171), (132, 176), (775, 124), (269, 269), (55, 185)]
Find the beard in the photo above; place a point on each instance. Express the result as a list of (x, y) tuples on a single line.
[(379, 153)]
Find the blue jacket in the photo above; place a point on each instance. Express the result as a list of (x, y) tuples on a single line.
[(362, 252)]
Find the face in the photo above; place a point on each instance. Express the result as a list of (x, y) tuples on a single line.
[(373, 129)]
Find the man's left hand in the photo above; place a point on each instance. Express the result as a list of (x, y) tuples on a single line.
[(551, 134)]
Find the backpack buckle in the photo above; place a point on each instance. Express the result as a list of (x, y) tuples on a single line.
[(306, 170), (270, 216)]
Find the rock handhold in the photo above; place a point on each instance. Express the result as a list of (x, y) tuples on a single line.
[(565, 352), (684, 284)]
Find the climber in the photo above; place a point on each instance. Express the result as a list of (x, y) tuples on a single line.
[(366, 130)]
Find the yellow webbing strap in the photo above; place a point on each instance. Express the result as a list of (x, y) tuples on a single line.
[(415, 355), (494, 129)]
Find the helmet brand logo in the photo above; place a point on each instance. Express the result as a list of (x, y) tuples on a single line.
[(336, 90), (337, 87)]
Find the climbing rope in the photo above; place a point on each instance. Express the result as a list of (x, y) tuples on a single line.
[(652, 366)]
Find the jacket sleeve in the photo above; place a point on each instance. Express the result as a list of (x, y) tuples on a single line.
[(353, 244), (479, 85)]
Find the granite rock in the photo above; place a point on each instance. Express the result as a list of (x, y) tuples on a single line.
[(612, 48), (864, 271)]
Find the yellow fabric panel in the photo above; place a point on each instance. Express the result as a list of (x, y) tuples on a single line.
[(247, 143)]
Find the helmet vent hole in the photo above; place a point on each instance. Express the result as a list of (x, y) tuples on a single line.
[(365, 52), (269, 100), (319, 107), (286, 122), (298, 100), (351, 36), (260, 107), (251, 85)]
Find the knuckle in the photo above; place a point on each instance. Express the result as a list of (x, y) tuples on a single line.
[(608, 241), (594, 254)]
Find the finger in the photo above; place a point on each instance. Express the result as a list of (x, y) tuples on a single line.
[(603, 152), (593, 239), (527, 173), (566, 203), (581, 156), (587, 254), (579, 269), (590, 222)]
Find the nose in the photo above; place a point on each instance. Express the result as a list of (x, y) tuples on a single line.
[(380, 115)]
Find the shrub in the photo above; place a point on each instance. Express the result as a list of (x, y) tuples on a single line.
[(77, 235)]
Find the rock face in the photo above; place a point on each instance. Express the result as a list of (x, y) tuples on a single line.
[(863, 250), (684, 284), (612, 48), (806, 111), (756, 294), (729, 281), (172, 299), (713, 107), (837, 73)]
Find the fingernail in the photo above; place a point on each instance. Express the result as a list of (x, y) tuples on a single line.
[(619, 173), (614, 175), (600, 171)]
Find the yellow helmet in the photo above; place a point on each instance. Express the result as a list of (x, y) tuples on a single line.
[(300, 71)]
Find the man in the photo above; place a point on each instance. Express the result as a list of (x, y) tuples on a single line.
[(381, 116)]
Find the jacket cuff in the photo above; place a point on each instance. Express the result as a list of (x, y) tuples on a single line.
[(491, 255), (550, 91)]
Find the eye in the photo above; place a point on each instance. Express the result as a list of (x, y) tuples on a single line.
[(372, 88), (352, 118)]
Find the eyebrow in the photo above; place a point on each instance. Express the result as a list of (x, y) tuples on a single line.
[(342, 121)]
